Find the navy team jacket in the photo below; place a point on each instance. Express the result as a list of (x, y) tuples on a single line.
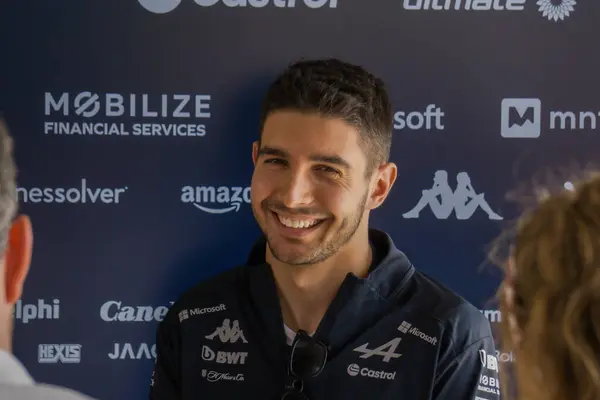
[(397, 334)]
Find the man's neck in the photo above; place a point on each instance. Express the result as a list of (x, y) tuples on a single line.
[(305, 292)]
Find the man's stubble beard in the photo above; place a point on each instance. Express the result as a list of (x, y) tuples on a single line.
[(325, 250)]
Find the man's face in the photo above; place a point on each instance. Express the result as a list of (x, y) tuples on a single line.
[(309, 191)]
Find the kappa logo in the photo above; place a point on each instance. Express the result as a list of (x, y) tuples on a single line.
[(386, 350), (228, 332), (442, 200), (224, 357)]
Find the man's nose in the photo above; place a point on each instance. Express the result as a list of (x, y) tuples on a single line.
[(298, 190)]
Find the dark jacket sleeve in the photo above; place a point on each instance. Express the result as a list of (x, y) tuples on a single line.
[(471, 375), (166, 377)]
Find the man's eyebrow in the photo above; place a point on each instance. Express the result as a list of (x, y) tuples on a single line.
[(325, 158), (272, 151), (331, 159)]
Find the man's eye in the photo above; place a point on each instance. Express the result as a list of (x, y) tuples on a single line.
[(329, 170), (274, 161)]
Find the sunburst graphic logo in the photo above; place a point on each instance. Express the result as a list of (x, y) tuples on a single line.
[(553, 11)]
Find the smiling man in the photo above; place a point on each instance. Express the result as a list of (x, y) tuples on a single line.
[(325, 306)]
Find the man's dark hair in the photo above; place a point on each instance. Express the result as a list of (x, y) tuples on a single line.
[(8, 185), (336, 89)]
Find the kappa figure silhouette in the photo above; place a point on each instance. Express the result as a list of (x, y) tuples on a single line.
[(463, 201), (228, 332)]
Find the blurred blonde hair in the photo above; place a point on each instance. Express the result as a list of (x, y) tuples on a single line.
[(550, 296)]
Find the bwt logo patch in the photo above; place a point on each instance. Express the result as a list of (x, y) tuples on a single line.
[(216, 200), (224, 357), (166, 6), (521, 118), (59, 353)]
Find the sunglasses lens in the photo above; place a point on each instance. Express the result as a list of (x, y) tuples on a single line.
[(308, 358)]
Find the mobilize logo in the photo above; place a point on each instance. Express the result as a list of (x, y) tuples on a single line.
[(523, 118), (216, 199), (430, 119), (128, 351), (224, 357), (115, 114), (488, 384), (214, 376), (553, 10), (166, 6), (72, 195), (228, 332), (442, 200), (29, 312), (355, 370), (116, 311), (406, 327), (59, 353), (185, 314)]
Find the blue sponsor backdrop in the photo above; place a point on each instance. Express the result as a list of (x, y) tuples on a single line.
[(134, 122)]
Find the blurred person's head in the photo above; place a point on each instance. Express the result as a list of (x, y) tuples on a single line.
[(15, 240), (550, 297)]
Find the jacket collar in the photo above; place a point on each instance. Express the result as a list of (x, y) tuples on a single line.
[(359, 303)]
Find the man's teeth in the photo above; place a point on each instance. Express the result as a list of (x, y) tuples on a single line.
[(297, 223)]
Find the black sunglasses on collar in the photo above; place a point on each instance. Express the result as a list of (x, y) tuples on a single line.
[(307, 360)]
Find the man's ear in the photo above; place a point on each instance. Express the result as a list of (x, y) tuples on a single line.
[(17, 257), (384, 178)]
